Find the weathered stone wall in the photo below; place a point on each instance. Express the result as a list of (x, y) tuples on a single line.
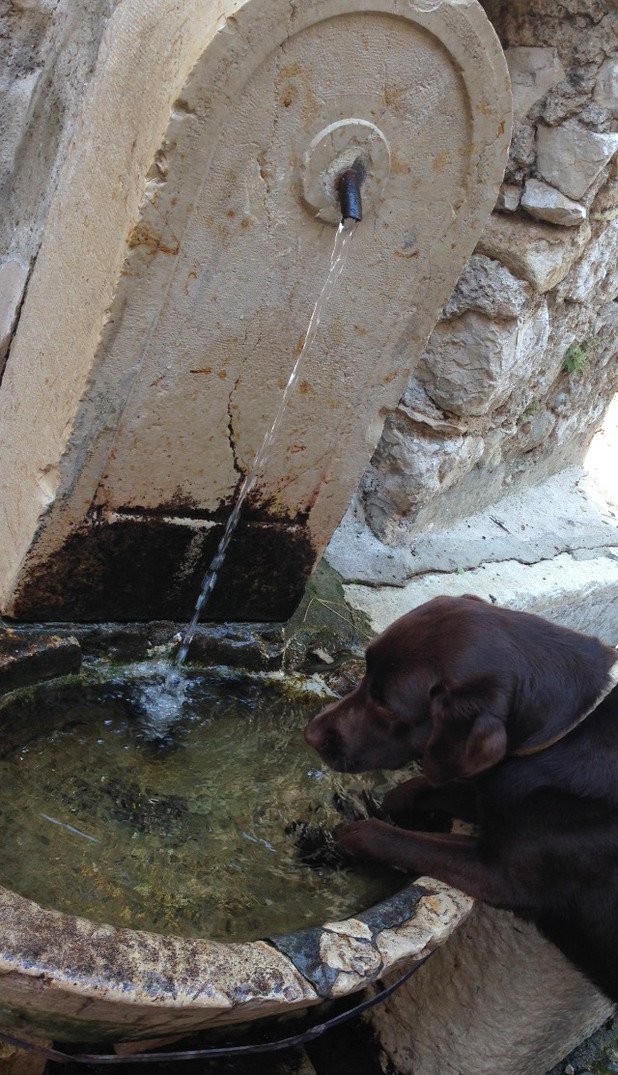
[(519, 371), (149, 355), (47, 50)]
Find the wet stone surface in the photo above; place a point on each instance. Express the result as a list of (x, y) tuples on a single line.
[(144, 566), (26, 659)]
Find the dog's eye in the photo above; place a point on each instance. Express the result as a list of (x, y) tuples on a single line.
[(384, 713), (376, 692), (388, 716), (378, 696), (437, 689)]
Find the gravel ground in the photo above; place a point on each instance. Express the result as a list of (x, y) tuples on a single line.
[(598, 1055)]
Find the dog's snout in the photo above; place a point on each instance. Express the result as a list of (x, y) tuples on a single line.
[(317, 729), (322, 735), (314, 734)]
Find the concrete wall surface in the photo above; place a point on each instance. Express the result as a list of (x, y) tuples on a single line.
[(497, 998)]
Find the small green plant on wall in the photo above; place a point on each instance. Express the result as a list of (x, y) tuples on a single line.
[(577, 355)]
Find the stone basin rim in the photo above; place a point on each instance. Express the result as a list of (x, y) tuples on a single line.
[(36, 942), (28, 913)]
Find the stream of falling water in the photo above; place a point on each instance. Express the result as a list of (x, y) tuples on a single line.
[(165, 705), (345, 231)]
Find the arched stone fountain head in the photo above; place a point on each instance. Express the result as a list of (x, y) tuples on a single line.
[(184, 250)]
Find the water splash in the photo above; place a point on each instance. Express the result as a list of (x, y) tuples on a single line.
[(162, 699), (345, 233)]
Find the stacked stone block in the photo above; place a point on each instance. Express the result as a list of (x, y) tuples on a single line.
[(517, 374)]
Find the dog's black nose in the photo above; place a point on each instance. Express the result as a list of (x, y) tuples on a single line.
[(314, 734)]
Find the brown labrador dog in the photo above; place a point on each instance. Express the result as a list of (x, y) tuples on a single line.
[(515, 720)]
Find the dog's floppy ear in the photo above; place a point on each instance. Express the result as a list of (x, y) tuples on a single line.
[(468, 734)]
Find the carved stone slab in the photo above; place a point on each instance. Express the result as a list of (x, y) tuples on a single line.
[(182, 256)]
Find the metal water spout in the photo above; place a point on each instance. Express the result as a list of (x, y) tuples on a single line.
[(349, 186)]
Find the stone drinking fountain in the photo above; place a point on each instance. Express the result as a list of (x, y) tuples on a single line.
[(188, 236)]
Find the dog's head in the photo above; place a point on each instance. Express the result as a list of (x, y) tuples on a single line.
[(458, 682)]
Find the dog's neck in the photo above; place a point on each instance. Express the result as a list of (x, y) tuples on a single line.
[(536, 748)]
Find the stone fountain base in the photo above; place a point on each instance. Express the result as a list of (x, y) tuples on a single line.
[(71, 979), (496, 997)]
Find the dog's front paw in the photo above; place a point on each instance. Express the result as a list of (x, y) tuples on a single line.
[(403, 798), (361, 839)]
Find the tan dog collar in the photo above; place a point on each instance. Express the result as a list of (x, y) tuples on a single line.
[(525, 752)]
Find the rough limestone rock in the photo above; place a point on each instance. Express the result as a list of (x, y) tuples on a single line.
[(606, 89), (571, 97), (419, 407), (534, 429), (547, 421), (489, 288), (546, 203), (533, 72), (522, 152), (472, 364), (571, 156), (410, 465), (604, 206), (539, 253), (508, 198), (581, 30), (498, 999), (596, 273)]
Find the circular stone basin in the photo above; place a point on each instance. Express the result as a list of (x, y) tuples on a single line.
[(175, 810), (172, 814)]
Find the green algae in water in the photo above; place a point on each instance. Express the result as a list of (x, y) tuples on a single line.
[(179, 827)]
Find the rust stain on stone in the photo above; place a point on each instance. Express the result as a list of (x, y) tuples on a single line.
[(141, 235), (290, 90), (289, 95), (390, 377), (289, 71), (398, 166), (394, 97)]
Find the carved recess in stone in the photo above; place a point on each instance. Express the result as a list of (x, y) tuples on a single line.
[(177, 275), (76, 980)]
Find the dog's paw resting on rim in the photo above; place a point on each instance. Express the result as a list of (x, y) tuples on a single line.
[(515, 722), (361, 838)]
